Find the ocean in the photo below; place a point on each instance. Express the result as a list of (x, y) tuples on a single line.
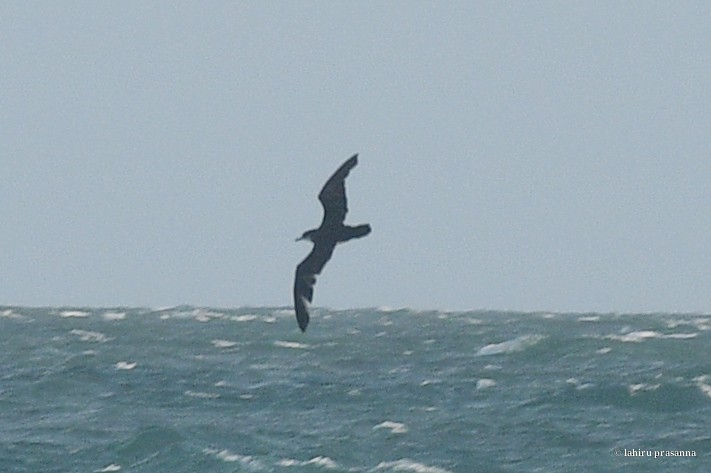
[(190, 389)]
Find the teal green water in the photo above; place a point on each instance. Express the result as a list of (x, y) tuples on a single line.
[(242, 390)]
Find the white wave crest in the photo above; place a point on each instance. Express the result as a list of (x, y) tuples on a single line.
[(125, 365), (285, 344), (109, 468), (9, 314), (510, 346), (409, 465), (87, 336), (395, 427), (484, 383), (223, 343), (641, 335), (229, 457), (201, 395), (634, 388), (324, 462), (703, 383), (73, 313)]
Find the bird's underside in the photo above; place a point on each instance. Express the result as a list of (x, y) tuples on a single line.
[(325, 238)]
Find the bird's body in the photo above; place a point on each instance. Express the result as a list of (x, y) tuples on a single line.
[(325, 238)]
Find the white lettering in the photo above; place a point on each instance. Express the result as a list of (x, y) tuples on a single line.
[(638, 452)]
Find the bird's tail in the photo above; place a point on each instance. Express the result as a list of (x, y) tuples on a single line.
[(349, 232)]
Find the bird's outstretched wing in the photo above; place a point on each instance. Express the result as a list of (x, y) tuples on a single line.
[(305, 280), (333, 194)]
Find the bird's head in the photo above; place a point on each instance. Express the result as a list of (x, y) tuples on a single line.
[(308, 236)]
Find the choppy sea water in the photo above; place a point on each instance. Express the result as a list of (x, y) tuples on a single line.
[(242, 390)]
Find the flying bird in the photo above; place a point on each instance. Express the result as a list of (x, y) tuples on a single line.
[(331, 232)]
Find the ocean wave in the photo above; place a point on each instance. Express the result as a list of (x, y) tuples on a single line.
[(114, 315), (338, 399), (394, 427), (409, 465), (642, 335), (125, 365), (88, 336), (286, 344), (702, 382), (201, 394), (10, 314), (73, 313), (657, 396), (320, 461), (223, 343), (510, 346), (484, 383), (228, 457), (109, 468)]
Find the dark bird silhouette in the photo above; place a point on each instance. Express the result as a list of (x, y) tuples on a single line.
[(331, 232)]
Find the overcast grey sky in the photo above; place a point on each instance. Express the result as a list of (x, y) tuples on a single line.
[(513, 155)]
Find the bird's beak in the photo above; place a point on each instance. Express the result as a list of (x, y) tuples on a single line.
[(299, 239)]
